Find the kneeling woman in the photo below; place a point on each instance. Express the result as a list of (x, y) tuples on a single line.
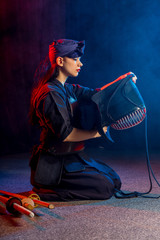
[(60, 170)]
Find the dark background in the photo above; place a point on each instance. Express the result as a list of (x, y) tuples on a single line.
[(121, 36)]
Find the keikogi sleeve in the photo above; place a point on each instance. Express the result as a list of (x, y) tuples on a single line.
[(81, 91), (56, 115)]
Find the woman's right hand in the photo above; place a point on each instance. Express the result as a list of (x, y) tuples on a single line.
[(104, 129)]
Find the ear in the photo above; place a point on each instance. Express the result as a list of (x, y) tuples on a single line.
[(59, 61)]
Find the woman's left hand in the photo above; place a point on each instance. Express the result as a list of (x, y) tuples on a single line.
[(134, 79)]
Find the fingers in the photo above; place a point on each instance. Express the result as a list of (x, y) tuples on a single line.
[(134, 79), (105, 129)]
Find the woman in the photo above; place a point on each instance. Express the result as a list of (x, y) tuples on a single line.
[(59, 168)]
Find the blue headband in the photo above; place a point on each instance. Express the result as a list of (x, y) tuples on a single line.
[(66, 48)]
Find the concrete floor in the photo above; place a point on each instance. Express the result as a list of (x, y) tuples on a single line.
[(136, 218)]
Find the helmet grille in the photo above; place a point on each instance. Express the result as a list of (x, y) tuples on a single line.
[(130, 120)]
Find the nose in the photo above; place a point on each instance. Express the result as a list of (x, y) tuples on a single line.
[(80, 63)]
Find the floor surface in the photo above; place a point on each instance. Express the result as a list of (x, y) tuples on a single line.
[(136, 218)]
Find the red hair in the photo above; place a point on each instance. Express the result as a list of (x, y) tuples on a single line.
[(43, 73)]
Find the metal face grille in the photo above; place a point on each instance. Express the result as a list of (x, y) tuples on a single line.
[(130, 120)]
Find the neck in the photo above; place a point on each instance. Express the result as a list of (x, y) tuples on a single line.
[(61, 78)]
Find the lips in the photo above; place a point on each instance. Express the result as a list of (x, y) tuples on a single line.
[(78, 70)]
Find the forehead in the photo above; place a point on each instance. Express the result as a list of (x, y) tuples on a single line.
[(71, 59)]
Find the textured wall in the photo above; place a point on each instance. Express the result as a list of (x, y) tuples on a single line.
[(27, 27)]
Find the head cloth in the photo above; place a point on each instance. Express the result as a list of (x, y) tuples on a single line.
[(65, 48)]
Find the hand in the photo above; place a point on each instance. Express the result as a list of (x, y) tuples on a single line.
[(134, 78), (105, 129), (99, 135)]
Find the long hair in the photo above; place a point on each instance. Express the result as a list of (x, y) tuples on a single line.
[(42, 75)]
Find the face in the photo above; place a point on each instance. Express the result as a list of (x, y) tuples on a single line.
[(71, 66)]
